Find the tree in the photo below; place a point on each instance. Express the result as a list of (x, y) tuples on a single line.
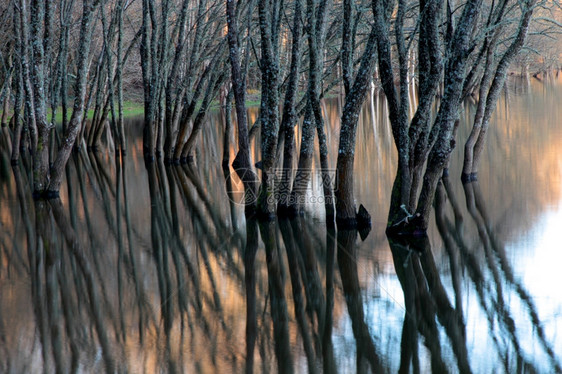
[(345, 203), (242, 164), (492, 82), (35, 45), (446, 50)]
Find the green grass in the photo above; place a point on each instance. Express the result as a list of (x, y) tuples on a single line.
[(130, 109), (134, 109)]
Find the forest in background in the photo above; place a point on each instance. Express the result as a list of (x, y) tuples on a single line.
[(64, 58)]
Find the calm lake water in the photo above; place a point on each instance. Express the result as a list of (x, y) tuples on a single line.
[(153, 269)]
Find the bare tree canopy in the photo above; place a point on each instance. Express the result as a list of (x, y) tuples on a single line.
[(183, 57)]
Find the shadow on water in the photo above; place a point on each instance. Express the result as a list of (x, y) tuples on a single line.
[(106, 296), (146, 268), (94, 275)]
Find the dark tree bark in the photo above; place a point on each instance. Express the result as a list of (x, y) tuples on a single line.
[(69, 137), (148, 62), (37, 75), (108, 33), (345, 202), (448, 111), (120, 63), (214, 84), (316, 42), (304, 168), (289, 113), (490, 93), (346, 48), (17, 143), (241, 164), (269, 18), (313, 120), (172, 91), (418, 142)]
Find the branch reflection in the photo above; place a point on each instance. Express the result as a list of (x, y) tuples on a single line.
[(153, 269)]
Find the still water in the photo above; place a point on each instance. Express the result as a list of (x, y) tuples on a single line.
[(153, 269)]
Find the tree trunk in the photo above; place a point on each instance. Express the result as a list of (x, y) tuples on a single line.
[(73, 129), (316, 41), (147, 51), (497, 85), (304, 169), (17, 144), (439, 142), (241, 164), (41, 155), (173, 90), (269, 32), (345, 201), (289, 114)]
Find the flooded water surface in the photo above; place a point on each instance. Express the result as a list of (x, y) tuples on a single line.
[(146, 269)]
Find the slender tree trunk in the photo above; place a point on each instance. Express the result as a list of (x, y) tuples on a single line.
[(241, 164), (17, 143), (120, 63), (108, 32), (478, 116), (38, 74), (146, 51), (6, 103), (345, 201), (171, 89), (214, 84), (346, 49), (316, 46), (289, 114), (304, 169), (269, 32), (498, 83), (69, 137)]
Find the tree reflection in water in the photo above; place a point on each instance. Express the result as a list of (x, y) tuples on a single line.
[(154, 269), (347, 262)]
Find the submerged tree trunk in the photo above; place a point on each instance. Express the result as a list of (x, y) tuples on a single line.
[(241, 164), (17, 143), (289, 115), (304, 168), (69, 137), (411, 138), (316, 41), (172, 91), (345, 201), (420, 142), (38, 77), (448, 113), (269, 18), (148, 60), (489, 97)]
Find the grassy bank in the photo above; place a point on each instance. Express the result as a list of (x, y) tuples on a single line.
[(135, 109), (130, 109)]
